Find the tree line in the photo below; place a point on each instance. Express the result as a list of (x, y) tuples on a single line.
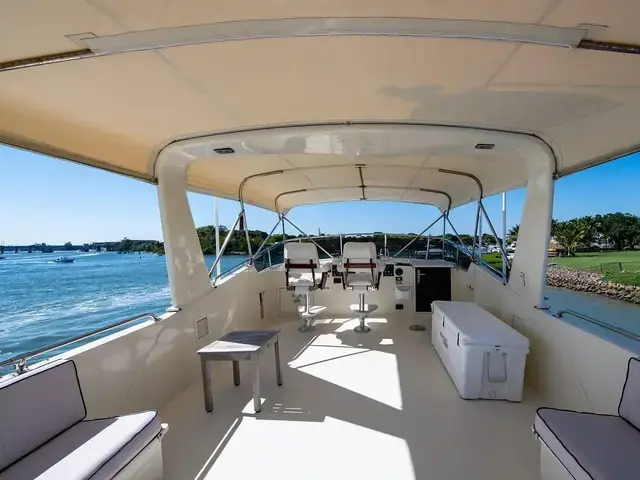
[(616, 230), (619, 231)]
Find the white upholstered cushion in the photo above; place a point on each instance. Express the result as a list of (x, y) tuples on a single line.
[(359, 252), (629, 407), (591, 446), (301, 252), (92, 449), (36, 406)]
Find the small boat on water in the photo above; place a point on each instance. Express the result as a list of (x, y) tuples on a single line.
[(64, 260)]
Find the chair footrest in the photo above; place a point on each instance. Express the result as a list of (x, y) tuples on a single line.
[(313, 311), (368, 308)]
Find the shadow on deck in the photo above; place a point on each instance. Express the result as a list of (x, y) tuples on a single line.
[(376, 405)]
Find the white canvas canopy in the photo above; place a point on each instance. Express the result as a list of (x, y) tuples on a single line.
[(111, 83)]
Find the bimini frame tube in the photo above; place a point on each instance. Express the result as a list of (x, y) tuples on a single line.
[(493, 231), (255, 255), (418, 235), (224, 244), (306, 235)]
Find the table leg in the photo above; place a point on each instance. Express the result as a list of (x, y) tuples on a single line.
[(276, 349), (206, 385), (236, 372), (256, 385)]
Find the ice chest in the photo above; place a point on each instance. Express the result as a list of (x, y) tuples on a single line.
[(484, 356)]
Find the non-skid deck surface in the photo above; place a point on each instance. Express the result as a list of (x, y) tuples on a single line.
[(368, 406)]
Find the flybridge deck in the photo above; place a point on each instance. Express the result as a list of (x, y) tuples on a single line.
[(285, 104)]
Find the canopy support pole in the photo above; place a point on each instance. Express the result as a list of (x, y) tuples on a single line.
[(444, 231), (504, 233), (475, 230), (217, 233), (267, 239), (458, 237), (418, 236), (246, 232), (224, 245), (502, 249), (306, 236)]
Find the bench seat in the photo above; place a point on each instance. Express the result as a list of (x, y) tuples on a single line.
[(593, 446), (590, 446), (44, 433)]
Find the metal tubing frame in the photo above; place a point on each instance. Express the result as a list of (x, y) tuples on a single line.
[(475, 231), (20, 361), (306, 235), (246, 232), (595, 321), (444, 231), (418, 236), (493, 230), (224, 245), (458, 237), (217, 233), (504, 232), (255, 255)]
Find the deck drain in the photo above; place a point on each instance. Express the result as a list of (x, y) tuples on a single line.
[(417, 328)]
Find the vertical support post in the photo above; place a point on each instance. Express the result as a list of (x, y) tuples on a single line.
[(187, 270), (340, 245), (385, 245), (428, 247), (504, 233), (480, 230), (284, 233), (444, 231), (475, 229), (529, 266), (217, 233), (246, 232)]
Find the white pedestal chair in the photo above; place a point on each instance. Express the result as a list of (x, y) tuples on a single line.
[(303, 275), (361, 273)]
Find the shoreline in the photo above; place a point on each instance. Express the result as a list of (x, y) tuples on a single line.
[(591, 282)]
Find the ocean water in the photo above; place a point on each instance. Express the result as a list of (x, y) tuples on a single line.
[(42, 302)]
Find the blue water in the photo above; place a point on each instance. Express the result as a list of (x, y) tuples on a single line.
[(42, 302)]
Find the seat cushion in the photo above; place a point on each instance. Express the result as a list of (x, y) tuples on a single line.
[(629, 407), (360, 279), (301, 279), (92, 449), (36, 406), (591, 446)]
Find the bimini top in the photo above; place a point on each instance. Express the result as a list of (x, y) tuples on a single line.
[(117, 84)]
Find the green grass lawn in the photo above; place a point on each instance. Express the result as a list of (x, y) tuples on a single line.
[(588, 261), (607, 263)]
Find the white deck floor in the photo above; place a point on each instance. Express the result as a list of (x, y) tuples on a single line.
[(368, 406)]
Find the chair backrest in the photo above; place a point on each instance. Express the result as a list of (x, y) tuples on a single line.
[(629, 407), (303, 261), (360, 258), (36, 406)]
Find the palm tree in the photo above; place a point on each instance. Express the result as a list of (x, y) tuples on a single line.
[(512, 235), (570, 235)]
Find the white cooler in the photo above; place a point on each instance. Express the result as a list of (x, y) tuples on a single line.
[(484, 356)]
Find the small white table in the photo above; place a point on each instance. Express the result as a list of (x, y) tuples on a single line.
[(236, 346)]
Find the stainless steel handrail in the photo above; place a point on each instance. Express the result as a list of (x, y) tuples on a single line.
[(20, 361), (600, 323)]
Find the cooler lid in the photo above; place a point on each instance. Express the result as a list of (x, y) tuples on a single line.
[(476, 326)]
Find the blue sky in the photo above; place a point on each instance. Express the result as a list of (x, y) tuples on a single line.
[(47, 200)]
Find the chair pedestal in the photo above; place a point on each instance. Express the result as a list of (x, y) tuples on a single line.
[(362, 310), (308, 313)]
